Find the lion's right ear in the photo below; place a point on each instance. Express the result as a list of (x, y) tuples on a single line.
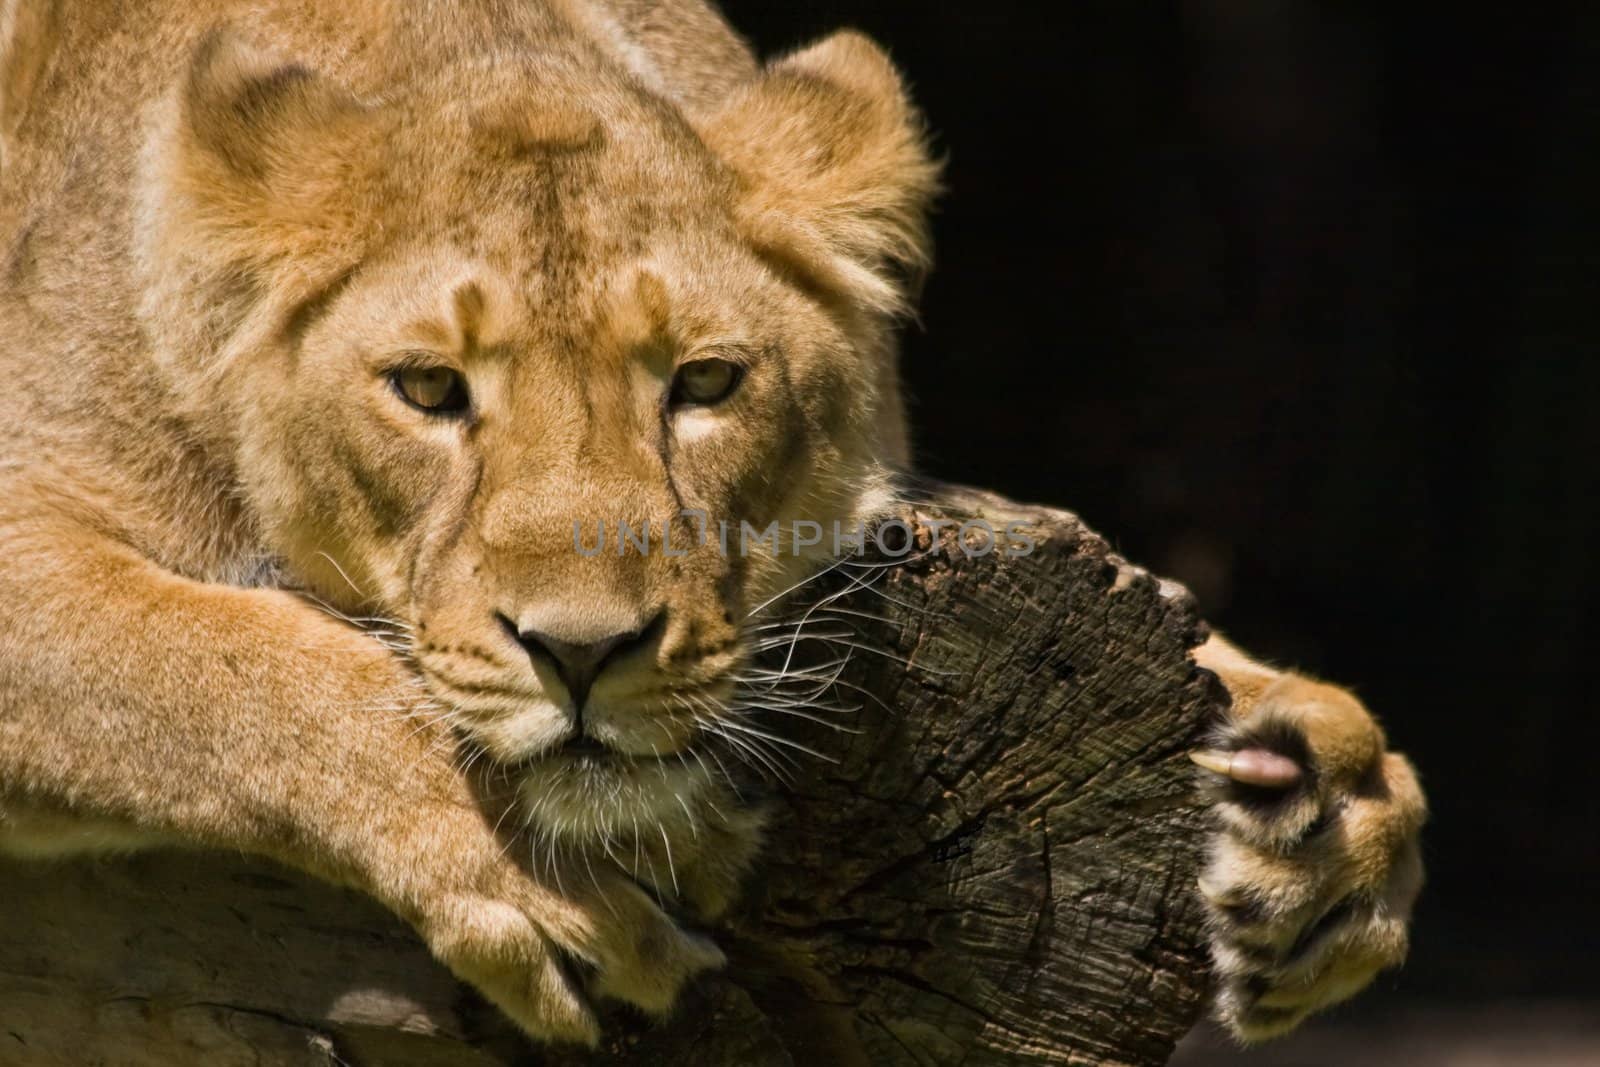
[(261, 161)]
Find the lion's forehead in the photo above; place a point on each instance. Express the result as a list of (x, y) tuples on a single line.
[(558, 170), (587, 209)]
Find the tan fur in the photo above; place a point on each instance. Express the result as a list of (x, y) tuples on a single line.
[(252, 598)]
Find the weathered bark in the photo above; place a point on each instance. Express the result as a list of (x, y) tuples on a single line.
[(999, 868)]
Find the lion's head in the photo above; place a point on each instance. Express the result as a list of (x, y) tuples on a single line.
[(510, 296)]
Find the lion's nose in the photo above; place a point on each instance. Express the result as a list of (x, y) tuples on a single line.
[(579, 660)]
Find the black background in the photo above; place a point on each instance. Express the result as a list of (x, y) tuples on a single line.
[(1296, 302)]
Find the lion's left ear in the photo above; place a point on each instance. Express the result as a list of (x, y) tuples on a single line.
[(836, 179)]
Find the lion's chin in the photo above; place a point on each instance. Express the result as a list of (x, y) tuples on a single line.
[(600, 797)]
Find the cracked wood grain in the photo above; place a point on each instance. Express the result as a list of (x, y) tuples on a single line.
[(995, 864)]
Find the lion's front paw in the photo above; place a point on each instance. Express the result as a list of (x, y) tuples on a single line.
[(1311, 877), (541, 957)]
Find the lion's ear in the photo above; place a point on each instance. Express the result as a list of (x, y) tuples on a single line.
[(262, 159), (834, 168)]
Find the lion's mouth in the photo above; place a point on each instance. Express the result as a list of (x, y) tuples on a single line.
[(585, 752), (588, 747)]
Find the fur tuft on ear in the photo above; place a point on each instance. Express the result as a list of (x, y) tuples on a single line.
[(259, 160), (834, 167)]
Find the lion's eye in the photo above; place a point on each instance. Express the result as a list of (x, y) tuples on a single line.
[(705, 381), (437, 390)]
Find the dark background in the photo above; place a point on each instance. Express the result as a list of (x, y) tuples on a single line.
[(1296, 302)]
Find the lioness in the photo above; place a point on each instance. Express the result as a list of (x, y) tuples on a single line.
[(324, 321)]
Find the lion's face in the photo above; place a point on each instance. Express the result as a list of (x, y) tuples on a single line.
[(534, 362), (469, 431)]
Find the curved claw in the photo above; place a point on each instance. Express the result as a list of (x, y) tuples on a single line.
[(1252, 766), (1217, 893)]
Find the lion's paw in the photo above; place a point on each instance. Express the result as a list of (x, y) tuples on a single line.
[(1312, 874), (643, 957), (543, 958)]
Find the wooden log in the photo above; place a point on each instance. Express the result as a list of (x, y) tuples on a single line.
[(994, 863)]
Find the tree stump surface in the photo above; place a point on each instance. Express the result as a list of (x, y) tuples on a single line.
[(993, 864)]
